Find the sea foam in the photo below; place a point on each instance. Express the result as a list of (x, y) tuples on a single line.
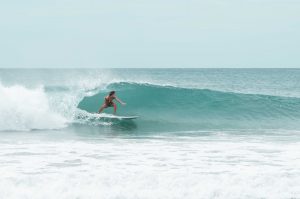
[(25, 109)]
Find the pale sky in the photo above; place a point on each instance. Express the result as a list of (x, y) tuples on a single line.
[(153, 33)]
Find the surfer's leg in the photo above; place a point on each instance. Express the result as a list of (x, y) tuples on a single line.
[(102, 107), (115, 108)]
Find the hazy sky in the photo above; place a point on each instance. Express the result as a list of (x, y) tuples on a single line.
[(152, 33)]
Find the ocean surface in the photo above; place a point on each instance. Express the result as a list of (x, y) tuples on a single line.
[(201, 133)]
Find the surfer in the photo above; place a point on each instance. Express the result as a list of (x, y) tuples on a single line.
[(108, 102)]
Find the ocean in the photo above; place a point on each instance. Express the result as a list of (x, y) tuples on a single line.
[(201, 133)]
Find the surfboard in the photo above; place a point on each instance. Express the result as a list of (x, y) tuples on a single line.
[(128, 117), (109, 116)]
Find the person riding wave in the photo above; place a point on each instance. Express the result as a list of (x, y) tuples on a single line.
[(108, 102)]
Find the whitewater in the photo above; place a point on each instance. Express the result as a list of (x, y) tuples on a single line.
[(201, 133)]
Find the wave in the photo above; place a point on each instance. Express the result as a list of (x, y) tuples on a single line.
[(160, 107), (182, 108)]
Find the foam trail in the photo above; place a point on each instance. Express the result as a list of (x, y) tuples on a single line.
[(24, 109)]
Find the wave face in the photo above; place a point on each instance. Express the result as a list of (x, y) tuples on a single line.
[(173, 108)]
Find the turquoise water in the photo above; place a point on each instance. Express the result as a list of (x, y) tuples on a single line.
[(201, 133)]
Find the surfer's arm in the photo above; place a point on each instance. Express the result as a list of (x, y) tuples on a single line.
[(120, 101)]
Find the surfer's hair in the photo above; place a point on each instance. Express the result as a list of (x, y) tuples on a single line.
[(111, 93)]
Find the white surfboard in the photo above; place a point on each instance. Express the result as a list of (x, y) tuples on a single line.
[(109, 116), (127, 117)]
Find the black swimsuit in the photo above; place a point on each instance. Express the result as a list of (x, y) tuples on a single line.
[(109, 102)]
